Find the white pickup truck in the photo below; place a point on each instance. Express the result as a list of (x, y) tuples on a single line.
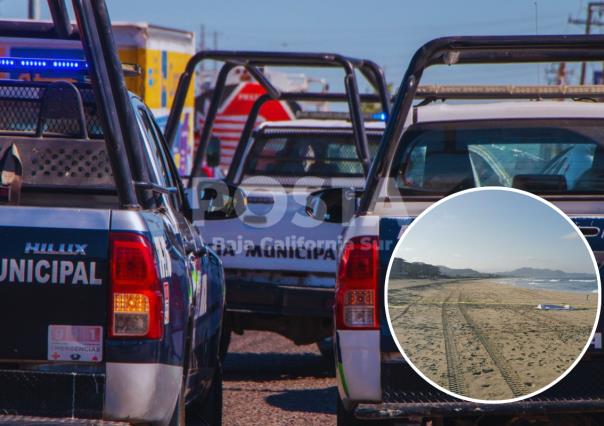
[(280, 264), (551, 148)]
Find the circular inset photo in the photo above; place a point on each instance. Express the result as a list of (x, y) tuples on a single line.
[(492, 295)]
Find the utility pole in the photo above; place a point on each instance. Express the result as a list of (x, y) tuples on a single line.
[(202, 47), (215, 39), (589, 23), (33, 9)]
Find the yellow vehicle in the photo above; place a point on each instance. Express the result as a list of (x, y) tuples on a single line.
[(162, 53)]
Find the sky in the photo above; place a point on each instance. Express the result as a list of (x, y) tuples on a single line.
[(386, 31), (495, 231)]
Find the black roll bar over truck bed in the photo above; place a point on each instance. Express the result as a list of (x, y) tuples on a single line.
[(93, 28), (252, 62), (123, 141)]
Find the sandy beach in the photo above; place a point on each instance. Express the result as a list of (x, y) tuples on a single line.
[(487, 340)]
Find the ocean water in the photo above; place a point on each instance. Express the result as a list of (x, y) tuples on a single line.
[(563, 284)]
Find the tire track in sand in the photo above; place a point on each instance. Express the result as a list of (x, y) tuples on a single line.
[(508, 373), (454, 371)]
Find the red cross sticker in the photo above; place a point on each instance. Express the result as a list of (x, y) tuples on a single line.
[(55, 356)]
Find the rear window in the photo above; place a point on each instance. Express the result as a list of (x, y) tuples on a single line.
[(285, 159), (544, 157)]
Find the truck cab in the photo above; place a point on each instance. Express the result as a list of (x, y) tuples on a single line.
[(551, 148)]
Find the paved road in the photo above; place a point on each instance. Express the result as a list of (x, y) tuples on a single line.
[(270, 381)]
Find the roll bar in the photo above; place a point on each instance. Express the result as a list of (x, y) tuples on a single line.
[(123, 141), (471, 50), (299, 96), (252, 62)]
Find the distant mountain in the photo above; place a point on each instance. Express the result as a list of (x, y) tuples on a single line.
[(403, 269), (462, 273), (545, 273)]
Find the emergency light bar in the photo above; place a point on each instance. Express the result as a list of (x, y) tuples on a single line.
[(337, 115), (509, 91), (40, 64), (8, 64)]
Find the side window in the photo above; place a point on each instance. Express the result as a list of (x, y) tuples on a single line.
[(159, 153), (160, 176)]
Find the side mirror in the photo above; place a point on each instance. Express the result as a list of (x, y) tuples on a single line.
[(218, 200), (333, 205), (213, 152)]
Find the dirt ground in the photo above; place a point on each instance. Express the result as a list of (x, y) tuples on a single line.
[(487, 340), (270, 381)]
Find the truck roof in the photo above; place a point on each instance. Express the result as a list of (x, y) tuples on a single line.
[(319, 124), (506, 110)]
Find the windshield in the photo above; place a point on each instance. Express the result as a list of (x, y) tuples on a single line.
[(540, 156), (286, 159)]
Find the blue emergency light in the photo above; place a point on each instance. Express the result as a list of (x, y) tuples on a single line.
[(380, 116), (42, 65)]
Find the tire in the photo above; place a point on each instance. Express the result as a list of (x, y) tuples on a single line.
[(225, 340), (326, 348), (346, 417), (208, 411)]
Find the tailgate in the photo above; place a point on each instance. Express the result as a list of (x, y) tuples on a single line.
[(53, 283), (275, 234)]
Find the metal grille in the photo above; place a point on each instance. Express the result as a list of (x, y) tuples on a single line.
[(402, 384), (36, 393), (75, 163), (19, 116), (20, 105)]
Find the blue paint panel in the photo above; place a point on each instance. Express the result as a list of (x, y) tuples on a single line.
[(390, 228), (164, 64), (596, 242)]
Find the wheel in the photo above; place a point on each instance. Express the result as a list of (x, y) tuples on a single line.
[(326, 348), (346, 417), (208, 410), (225, 340)]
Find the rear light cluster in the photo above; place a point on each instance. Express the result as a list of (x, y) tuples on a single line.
[(356, 290), (136, 296)]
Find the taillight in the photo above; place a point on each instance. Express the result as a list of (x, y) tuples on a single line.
[(356, 289), (136, 297)]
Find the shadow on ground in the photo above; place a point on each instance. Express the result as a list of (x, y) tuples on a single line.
[(306, 400), (276, 366)]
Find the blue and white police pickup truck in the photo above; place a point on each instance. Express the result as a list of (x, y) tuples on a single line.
[(552, 148), (111, 303), (280, 263)]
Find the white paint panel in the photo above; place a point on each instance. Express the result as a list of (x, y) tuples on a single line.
[(360, 350), (141, 392)]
